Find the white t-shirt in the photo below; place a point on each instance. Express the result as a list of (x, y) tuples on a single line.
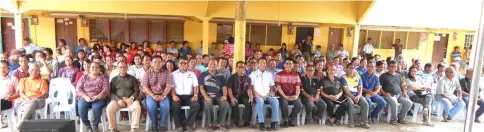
[(262, 82), (183, 82)]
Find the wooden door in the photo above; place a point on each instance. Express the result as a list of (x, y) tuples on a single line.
[(66, 28), (440, 47), (335, 36), (8, 34)]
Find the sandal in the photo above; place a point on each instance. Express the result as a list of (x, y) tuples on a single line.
[(394, 122)]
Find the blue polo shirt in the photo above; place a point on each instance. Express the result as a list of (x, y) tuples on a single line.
[(361, 71), (213, 84), (13, 66), (370, 82), (185, 52), (280, 65)]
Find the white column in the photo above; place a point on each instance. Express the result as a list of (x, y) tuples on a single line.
[(477, 57), (356, 40), (18, 30)]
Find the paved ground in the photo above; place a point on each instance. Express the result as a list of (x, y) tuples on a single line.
[(456, 126)]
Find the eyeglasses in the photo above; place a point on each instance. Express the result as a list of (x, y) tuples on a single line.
[(241, 67)]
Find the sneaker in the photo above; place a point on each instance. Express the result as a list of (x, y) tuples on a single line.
[(262, 127), (274, 126)]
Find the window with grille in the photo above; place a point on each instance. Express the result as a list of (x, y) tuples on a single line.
[(224, 31), (174, 31), (99, 29), (468, 41), (385, 39), (264, 34), (125, 31)]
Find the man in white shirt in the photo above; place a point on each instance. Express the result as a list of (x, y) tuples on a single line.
[(342, 51), (264, 91), (185, 93), (368, 49), (29, 47)]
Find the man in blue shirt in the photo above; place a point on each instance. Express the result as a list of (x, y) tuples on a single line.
[(12, 62), (363, 67), (185, 50), (371, 90), (214, 92)]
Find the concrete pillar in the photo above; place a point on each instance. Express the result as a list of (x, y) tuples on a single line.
[(240, 23), (205, 33), (356, 40), (18, 30)]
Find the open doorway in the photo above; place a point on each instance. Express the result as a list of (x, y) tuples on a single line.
[(440, 47), (303, 32)]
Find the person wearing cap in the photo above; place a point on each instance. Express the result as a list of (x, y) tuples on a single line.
[(29, 46)]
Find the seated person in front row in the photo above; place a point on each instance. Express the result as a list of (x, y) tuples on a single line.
[(394, 92), (371, 90), (445, 94), (240, 92), (33, 91), (212, 87), (264, 92), (184, 93), (93, 90), (124, 92), (332, 93), (311, 91), (352, 86), (465, 83), (157, 84), (420, 92), (288, 85), (9, 85)]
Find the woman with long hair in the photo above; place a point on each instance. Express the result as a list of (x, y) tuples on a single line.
[(421, 93), (62, 43), (296, 50), (61, 53), (283, 50), (69, 71), (108, 51), (146, 47), (170, 66)]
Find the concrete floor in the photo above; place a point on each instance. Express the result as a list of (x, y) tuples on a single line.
[(456, 126)]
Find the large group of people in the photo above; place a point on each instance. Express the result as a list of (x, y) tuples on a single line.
[(160, 81)]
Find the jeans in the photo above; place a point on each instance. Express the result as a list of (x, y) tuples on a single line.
[(224, 108), (480, 110), (285, 109), (458, 105), (97, 108), (185, 100), (426, 102), (152, 107), (363, 109), (260, 106), (380, 104), (246, 113), (311, 106), (393, 101)]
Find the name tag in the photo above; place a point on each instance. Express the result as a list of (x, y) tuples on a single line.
[(37, 86)]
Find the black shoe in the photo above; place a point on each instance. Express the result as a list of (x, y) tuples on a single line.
[(274, 126), (89, 129), (246, 124), (477, 121), (291, 124), (95, 128), (162, 129), (154, 129), (262, 127), (285, 124)]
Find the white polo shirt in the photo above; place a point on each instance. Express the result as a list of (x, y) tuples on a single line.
[(262, 82), (183, 82), (368, 48)]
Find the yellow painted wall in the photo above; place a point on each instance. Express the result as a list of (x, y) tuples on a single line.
[(43, 34)]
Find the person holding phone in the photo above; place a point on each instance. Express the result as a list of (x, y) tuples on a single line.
[(332, 93)]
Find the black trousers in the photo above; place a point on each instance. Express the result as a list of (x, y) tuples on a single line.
[(177, 112), (5, 104), (285, 110), (247, 112), (340, 112)]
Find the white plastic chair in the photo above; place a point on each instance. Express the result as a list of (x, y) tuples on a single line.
[(54, 85), (10, 118), (104, 122), (60, 103), (186, 109), (118, 114)]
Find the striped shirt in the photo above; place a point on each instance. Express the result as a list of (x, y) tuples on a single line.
[(157, 81), (288, 82)]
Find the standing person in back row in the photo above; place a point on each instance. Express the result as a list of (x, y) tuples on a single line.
[(288, 85), (307, 47), (394, 92), (398, 47), (368, 49)]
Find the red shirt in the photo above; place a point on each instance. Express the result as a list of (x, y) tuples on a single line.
[(288, 82), (129, 58), (196, 71)]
